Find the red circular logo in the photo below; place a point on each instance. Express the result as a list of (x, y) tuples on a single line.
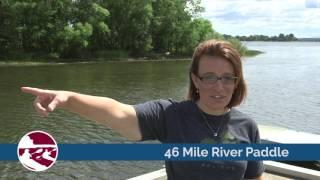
[(37, 151)]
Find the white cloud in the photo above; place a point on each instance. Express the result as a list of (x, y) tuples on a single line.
[(269, 17)]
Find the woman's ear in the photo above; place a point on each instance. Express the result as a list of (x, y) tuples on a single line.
[(195, 80)]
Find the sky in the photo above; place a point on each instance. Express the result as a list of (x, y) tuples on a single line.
[(266, 17)]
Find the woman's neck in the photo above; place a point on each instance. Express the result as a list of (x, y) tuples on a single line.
[(215, 112)]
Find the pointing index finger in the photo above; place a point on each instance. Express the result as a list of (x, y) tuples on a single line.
[(33, 91)]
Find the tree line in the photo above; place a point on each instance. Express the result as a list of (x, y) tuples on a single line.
[(101, 28), (280, 37)]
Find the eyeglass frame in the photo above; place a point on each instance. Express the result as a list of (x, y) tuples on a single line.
[(234, 78)]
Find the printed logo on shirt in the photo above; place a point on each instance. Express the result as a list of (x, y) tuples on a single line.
[(37, 151)]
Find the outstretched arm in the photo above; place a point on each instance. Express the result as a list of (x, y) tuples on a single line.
[(109, 112), (260, 177)]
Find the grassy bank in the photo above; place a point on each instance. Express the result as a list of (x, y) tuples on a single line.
[(251, 53)]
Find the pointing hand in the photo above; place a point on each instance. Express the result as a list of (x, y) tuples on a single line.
[(46, 101)]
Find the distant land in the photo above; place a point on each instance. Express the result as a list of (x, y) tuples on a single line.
[(309, 39), (260, 37), (280, 37)]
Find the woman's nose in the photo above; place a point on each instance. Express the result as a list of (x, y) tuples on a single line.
[(218, 85)]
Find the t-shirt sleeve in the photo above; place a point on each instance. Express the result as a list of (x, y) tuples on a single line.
[(152, 119), (254, 168)]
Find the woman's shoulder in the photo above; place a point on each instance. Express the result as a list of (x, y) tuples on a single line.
[(239, 117), (178, 106), (243, 121), (169, 103)]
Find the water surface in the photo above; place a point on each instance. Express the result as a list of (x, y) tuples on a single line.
[(283, 90)]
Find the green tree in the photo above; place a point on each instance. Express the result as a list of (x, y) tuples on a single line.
[(40, 23), (8, 33), (129, 23), (171, 24), (92, 13), (61, 28), (85, 29), (199, 29), (281, 37)]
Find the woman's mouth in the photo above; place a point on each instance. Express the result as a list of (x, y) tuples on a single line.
[(217, 97)]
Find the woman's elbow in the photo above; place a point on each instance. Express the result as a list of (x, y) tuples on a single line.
[(260, 177)]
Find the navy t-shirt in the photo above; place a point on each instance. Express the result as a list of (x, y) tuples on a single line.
[(183, 122)]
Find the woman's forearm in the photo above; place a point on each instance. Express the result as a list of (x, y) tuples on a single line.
[(109, 112)]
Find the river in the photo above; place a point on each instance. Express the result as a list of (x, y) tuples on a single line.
[(283, 90)]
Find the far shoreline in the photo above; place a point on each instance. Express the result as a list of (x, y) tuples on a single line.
[(82, 61), (249, 53)]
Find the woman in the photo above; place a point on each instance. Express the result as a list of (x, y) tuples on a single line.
[(216, 86)]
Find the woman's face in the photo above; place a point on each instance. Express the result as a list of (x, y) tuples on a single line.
[(216, 83)]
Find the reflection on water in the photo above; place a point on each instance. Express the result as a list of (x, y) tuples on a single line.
[(283, 91)]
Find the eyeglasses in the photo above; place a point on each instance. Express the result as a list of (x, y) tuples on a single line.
[(212, 79)]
